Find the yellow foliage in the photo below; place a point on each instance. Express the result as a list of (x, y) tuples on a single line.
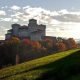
[(13, 40)]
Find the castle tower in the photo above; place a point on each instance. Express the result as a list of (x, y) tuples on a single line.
[(32, 21), (33, 31), (15, 28)]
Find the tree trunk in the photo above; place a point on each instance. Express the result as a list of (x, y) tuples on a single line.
[(17, 59)]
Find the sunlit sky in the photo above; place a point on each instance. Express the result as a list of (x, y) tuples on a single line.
[(61, 17)]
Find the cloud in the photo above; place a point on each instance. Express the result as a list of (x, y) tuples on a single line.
[(59, 23), (4, 7), (25, 7), (62, 23), (63, 11), (2, 32), (66, 16), (17, 14), (5, 19), (8, 20), (2, 13), (42, 15), (2, 37), (47, 16), (14, 7), (15, 20)]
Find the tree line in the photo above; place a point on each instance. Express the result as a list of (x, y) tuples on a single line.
[(14, 50)]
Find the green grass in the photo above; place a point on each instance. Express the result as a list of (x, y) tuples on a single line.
[(59, 66), (77, 77)]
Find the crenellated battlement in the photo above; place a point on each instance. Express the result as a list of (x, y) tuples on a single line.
[(33, 30)]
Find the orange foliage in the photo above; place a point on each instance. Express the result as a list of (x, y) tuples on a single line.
[(72, 43), (49, 42), (13, 40), (27, 41), (35, 44), (61, 46)]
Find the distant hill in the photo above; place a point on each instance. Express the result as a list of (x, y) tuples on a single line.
[(59, 66)]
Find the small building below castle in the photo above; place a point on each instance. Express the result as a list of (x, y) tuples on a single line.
[(33, 31)]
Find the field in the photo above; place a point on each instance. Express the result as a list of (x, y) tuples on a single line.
[(60, 66)]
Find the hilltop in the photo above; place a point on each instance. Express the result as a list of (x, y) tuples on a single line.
[(60, 66)]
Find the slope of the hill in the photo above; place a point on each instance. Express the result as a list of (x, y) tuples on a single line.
[(59, 66)]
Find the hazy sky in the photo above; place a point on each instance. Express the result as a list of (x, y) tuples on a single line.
[(47, 4), (62, 17)]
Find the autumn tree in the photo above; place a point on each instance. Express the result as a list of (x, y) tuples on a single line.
[(61, 46), (35, 44), (72, 43), (26, 41), (13, 45)]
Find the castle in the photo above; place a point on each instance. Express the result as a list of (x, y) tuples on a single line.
[(33, 31)]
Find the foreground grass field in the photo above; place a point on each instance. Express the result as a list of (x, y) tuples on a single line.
[(59, 66)]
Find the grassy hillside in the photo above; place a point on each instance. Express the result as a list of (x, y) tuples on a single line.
[(59, 66)]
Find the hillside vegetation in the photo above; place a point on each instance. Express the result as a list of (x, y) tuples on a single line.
[(15, 50), (59, 66)]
